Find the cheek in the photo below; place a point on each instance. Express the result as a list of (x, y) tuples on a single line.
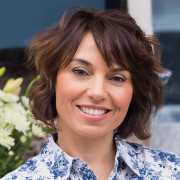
[(123, 97), (67, 89), (64, 84)]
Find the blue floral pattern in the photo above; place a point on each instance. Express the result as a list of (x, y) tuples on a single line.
[(132, 162)]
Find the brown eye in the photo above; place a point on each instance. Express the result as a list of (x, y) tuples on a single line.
[(117, 78), (79, 72)]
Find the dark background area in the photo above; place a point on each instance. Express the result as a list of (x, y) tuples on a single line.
[(170, 42)]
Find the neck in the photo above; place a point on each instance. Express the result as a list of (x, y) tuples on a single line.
[(98, 153), (88, 149)]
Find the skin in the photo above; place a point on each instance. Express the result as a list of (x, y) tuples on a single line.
[(88, 83)]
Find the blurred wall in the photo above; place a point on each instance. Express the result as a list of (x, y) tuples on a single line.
[(21, 19)]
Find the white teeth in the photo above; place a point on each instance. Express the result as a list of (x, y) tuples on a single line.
[(94, 112)]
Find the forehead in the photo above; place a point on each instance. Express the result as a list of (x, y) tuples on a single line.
[(89, 63), (89, 49)]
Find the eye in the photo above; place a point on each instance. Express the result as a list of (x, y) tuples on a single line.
[(117, 78), (79, 72)]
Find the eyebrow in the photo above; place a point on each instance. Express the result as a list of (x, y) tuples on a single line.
[(85, 62), (82, 61), (117, 69)]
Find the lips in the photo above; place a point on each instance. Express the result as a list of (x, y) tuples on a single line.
[(94, 111)]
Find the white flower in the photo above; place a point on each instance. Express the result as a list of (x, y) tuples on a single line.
[(29, 134), (10, 153), (13, 86), (18, 126), (8, 97), (14, 113), (7, 126), (22, 125), (5, 139), (1, 103), (37, 131), (23, 139), (30, 117), (25, 101), (2, 71)]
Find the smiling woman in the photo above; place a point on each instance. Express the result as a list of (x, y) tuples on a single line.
[(101, 99), (98, 84)]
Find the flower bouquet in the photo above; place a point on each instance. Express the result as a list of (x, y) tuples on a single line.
[(18, 128)]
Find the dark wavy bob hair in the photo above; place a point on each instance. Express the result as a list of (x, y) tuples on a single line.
[(118, 39)]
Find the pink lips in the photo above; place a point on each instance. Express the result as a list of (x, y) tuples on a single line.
[(90, 117)]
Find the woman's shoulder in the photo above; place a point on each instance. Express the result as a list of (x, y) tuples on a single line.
[(155, 154), (48, 164), (29, 170), (144, 151), (154, 161), (147, 162)]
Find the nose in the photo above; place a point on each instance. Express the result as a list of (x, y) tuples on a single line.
[(97, 90)]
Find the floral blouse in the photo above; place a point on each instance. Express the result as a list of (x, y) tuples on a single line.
[(132, 162)]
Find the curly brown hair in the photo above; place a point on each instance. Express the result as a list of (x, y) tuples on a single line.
[(118, 39)]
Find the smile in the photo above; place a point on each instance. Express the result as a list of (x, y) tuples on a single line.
[(94, 112)]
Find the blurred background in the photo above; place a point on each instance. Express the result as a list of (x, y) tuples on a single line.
[(20, 20)]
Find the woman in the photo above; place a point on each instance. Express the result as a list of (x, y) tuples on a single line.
[(98, 84)]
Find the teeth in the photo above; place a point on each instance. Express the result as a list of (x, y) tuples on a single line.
[(94, 112)]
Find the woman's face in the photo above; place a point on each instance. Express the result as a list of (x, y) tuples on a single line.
[(92, 99)]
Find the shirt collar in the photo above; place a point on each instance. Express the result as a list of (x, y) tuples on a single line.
[(130, 153), (54, 157), (60, 163), (127, 152)]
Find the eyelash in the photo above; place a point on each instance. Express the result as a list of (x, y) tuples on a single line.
[(117, 79), (79, 72)]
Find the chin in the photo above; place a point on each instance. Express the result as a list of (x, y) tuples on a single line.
[(93, 133)]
